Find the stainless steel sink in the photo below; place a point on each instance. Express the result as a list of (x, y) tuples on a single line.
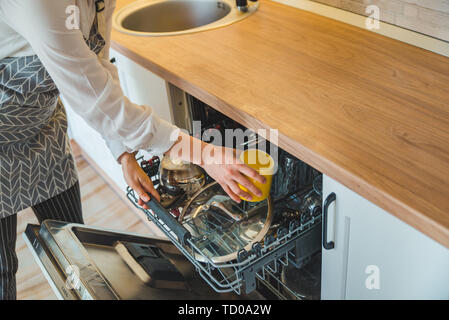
[(172, 17)]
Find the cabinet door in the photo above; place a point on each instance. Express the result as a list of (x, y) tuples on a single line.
[(377, 256), (143, 87), (334, 260)]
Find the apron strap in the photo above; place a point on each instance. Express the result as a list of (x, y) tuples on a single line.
[(101, 21)]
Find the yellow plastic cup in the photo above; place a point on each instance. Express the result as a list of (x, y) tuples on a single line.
[(263, 163)]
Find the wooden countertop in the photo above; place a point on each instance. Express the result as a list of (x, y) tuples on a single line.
[(368, 111)]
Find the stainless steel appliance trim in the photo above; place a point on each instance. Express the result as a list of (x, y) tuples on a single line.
[(83, 262), (233, 16), (99, 244), (48, 266)]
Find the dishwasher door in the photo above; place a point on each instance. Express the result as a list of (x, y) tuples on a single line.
[(80, 262)]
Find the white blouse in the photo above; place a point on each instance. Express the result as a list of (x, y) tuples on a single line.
[(88, 84)]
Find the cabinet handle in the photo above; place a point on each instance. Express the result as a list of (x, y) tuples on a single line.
[(328, 245)]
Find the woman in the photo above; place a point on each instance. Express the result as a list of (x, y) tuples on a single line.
[(42, 57)]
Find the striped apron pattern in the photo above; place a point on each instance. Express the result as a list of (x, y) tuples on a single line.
[(36, 165), (35, 156), (63, 207)]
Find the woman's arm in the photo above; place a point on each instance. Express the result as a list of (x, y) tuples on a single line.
[(222, 164), (89, 85)]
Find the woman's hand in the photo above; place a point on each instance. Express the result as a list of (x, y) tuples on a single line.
[(222, 164), (137, 179), (229, 171)]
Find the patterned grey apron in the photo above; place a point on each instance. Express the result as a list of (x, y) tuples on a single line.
[(35, 156)]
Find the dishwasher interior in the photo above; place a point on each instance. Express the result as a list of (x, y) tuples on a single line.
[(286, 262), (216, 248)]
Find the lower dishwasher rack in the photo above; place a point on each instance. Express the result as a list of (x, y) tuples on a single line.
[(294, 247)]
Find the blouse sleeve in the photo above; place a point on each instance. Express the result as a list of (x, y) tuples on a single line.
[(89, 85)]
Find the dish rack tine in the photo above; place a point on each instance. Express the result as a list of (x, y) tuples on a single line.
[(269, 268), (263, 273), (284, 259)]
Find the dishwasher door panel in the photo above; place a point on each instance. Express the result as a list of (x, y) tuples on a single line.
[(80, 262)]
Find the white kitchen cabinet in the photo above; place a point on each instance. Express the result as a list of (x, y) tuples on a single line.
[(141, 87), (377, 256)]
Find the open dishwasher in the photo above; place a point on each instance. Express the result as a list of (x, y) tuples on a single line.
[(218, 249)]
